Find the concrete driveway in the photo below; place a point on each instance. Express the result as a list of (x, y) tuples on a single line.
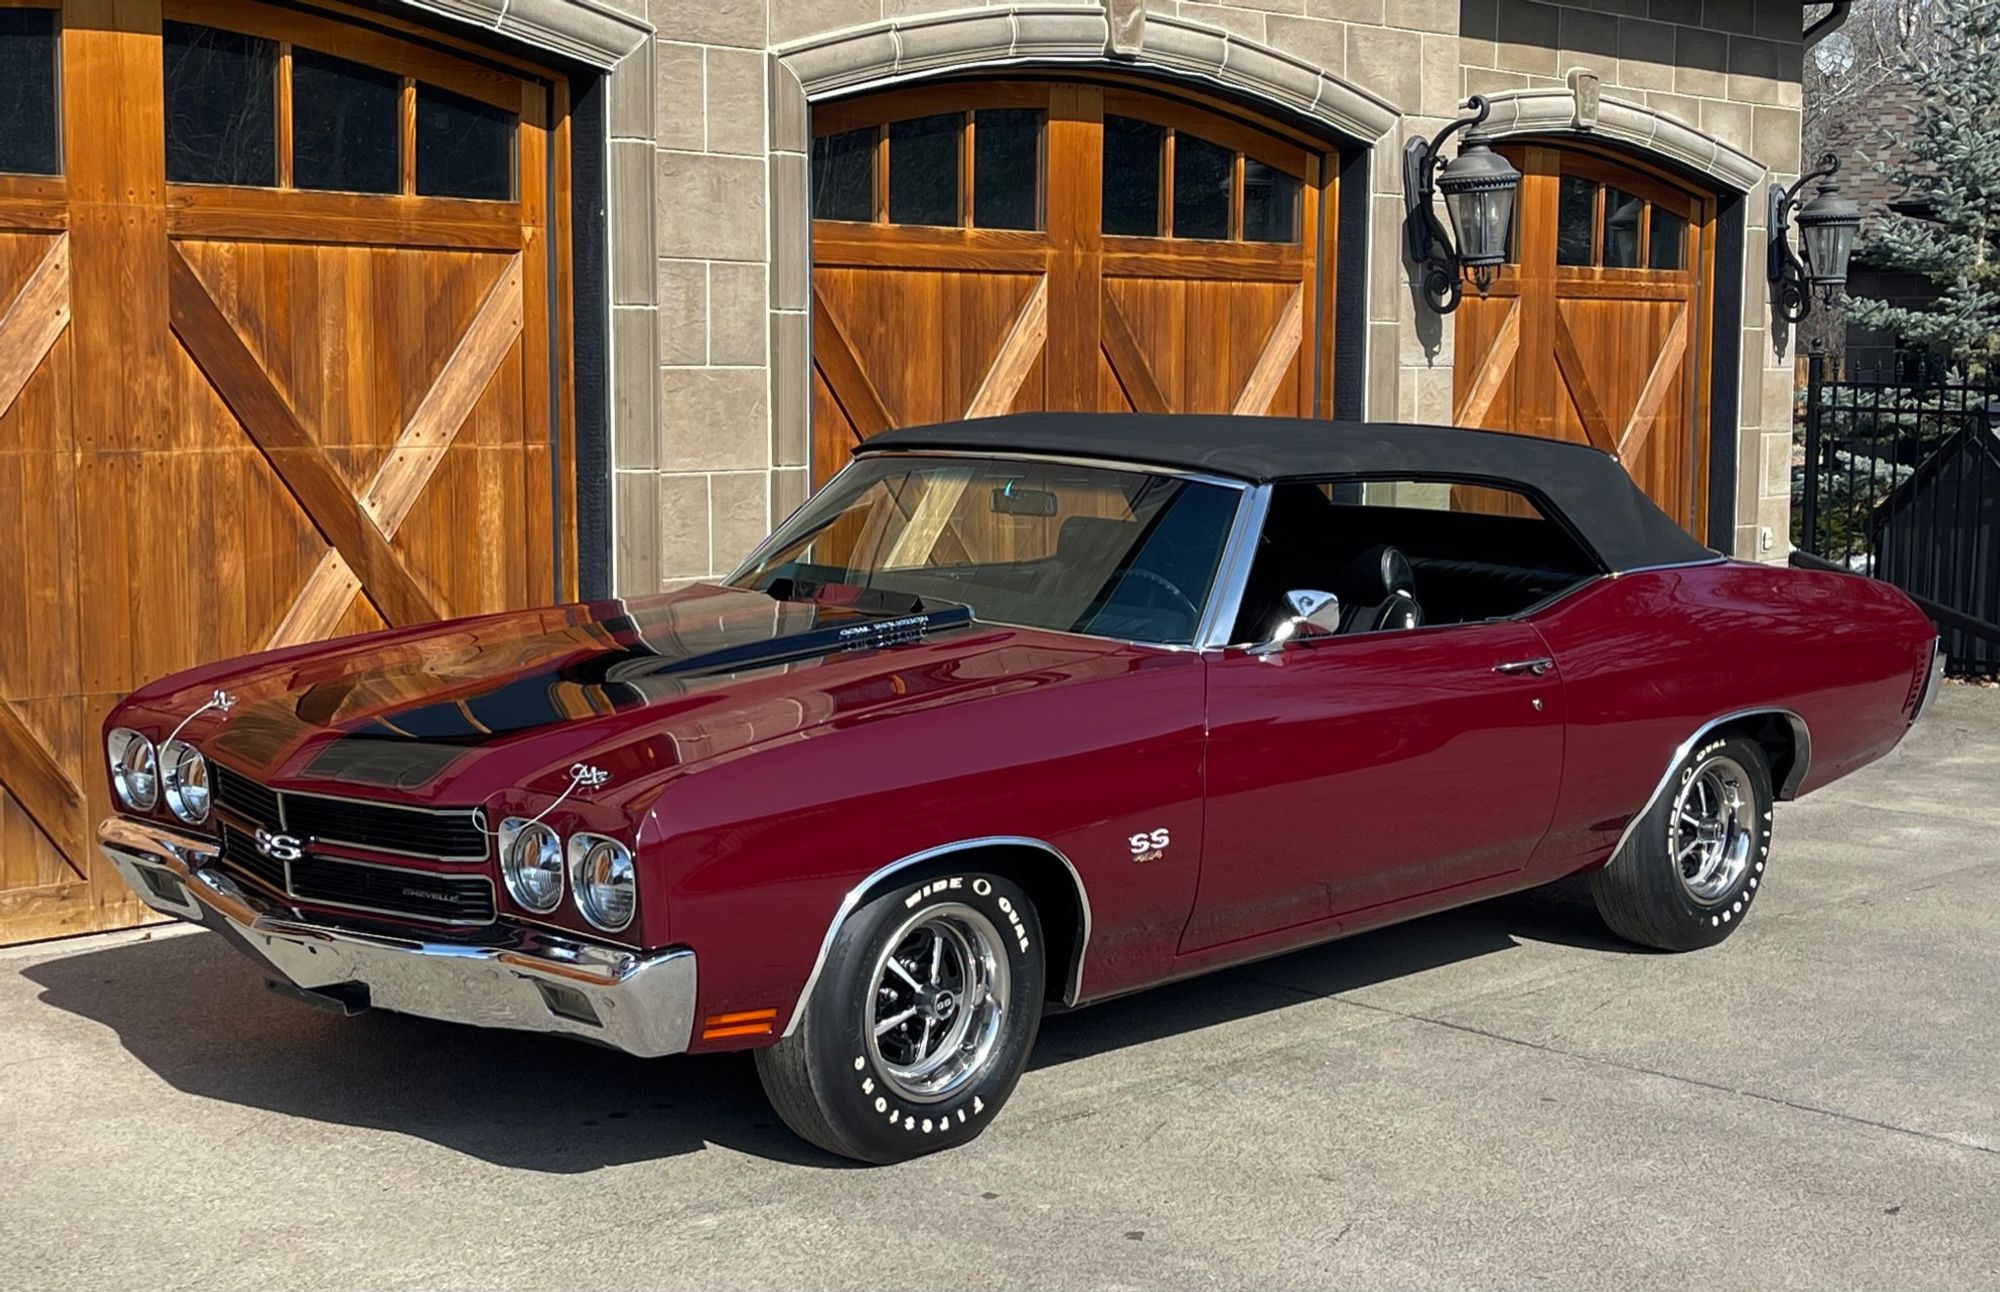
[(1501, 1096)]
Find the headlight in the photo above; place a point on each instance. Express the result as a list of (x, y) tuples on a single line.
[(185, 772), (606, 886), (134, 769), (531, 862)]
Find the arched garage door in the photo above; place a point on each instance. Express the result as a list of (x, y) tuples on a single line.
[(1598, 331), (981, 248), (276, 299)]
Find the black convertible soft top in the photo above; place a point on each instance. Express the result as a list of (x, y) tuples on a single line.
[(1589, 488)]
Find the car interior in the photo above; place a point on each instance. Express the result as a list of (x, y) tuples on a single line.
[(1482, 554)]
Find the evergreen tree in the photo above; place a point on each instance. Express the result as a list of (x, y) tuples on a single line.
[(1952, 163)]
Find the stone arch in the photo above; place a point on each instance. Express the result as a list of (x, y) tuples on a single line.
[(1636, 126), (898, 50)]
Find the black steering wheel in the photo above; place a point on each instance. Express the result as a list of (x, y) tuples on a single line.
[(1168, 586)]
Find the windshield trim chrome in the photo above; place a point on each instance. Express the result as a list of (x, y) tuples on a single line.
[(1232, 572)]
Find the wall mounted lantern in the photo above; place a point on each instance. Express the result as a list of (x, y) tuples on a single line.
[(1827, 228), (1478, 187)]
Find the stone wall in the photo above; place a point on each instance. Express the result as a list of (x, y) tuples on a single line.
[(711, 350)]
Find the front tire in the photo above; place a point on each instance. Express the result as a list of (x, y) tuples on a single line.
[(1686, 877), (920, 1024)]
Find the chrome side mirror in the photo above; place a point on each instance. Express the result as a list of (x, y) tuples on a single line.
[(1319, 611)]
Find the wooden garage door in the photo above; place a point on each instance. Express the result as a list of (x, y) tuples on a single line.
[(988, 248), (275, 314), (1598, 332)]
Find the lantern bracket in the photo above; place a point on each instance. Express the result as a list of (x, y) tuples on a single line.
[(1430, 242), (1791, 289)]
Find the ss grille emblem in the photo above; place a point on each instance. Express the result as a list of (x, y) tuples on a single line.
[(279, 847)]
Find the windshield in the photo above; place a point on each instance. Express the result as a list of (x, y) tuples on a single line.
[(1111, 553)]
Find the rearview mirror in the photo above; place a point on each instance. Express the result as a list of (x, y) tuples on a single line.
[(1011, 500), (1314, 614)]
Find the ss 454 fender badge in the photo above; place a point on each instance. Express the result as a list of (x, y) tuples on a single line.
[(1149, 845)]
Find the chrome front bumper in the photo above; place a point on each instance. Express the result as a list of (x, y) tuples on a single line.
[(642, 1004), (1933, 683)]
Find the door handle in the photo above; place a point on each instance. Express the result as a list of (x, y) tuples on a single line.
[(1537, 666)]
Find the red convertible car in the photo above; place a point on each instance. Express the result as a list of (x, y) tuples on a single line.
[(1017, 715)]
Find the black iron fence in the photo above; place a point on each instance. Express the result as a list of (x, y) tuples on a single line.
[(1896, 474)]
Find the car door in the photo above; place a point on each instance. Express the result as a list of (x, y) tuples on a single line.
[(1349, 771)]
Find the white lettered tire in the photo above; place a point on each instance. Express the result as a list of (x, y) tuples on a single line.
[(921, 1021), (1687, 876)]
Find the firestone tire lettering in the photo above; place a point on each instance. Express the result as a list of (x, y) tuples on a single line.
[(824, 1081)]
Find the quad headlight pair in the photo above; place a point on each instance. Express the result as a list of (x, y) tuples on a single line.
[(536, 863), (139, 773)]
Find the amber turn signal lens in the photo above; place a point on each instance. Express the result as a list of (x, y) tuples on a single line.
[(749, 1022)]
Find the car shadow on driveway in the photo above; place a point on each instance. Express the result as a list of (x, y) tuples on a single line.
[(195, 1012), (1561, 913)]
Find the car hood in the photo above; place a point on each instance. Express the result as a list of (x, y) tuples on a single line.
[(454, 713)]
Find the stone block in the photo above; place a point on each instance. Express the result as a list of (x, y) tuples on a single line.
[(739, 516), (711, 207), (735, 102), (634, 383), (635, 524), (710, 22), (796, 19), (791, 388), (1388, 63), (631, 203), (628, 95), (791, 234), (683, 319), (738, 307), (714, 419), (683, 526), (680, 95)]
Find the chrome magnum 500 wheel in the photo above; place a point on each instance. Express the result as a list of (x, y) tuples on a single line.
[(920, 1024), (1687, 876)]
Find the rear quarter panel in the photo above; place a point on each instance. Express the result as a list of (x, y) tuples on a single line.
[(1647, 658)]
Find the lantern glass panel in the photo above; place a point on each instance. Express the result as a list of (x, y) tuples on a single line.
[(1480, 220)]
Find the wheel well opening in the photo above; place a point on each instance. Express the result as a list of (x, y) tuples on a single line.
[(1047, 882), (1781, 738)]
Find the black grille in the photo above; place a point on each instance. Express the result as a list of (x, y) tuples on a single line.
[(455, 898), (244, 797), (446, 835), (240, 851)]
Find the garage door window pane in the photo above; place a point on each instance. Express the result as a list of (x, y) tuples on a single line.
[(1202, 175), (1621, 229), (344, 129), (923, 170), (843, 175), (465, 148), (1132, 177), (1006, 168), (1270, 203), (1668, 247), (220, 120), (28, 91), (1576, 212)]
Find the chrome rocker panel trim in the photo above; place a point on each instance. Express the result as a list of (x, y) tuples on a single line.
[(1072, 992), (1801, 740), (644, 1004)]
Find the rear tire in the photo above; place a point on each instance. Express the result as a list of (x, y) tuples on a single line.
[(920, 1024), (1686, 877)]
